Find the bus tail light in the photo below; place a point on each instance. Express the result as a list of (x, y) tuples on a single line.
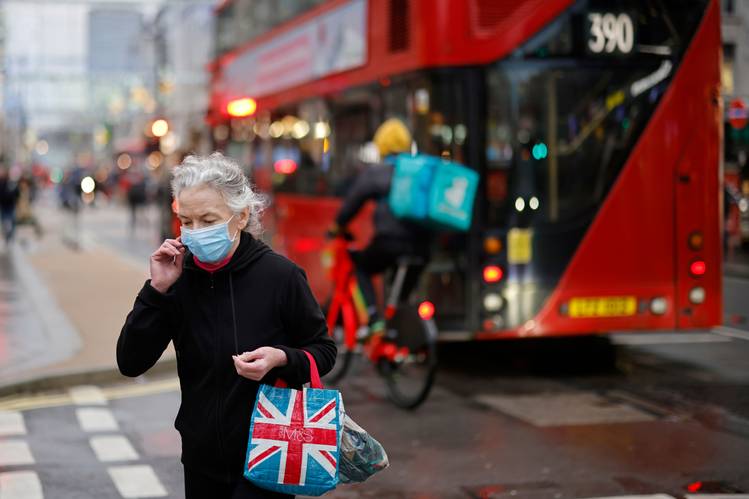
[(492, 245), (695, 240), (493, 302), (658, 306), (698, 268), (426, 310), (493, 273), (697, 295)]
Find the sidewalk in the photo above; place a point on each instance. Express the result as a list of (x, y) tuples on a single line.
[(89, 293)]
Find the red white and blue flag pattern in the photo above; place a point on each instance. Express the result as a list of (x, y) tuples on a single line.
[(294, 440)]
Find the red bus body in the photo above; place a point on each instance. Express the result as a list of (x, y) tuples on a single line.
[(637, 245)]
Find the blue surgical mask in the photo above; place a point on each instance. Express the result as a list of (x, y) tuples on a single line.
[(210, 244)]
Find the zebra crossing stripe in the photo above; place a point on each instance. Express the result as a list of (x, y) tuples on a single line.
[(20, 485), (87, 395), (136, 481), (94, 419), (11, 424), (113, 448), (15, 452)]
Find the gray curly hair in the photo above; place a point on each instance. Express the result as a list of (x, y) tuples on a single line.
[(225, 176)]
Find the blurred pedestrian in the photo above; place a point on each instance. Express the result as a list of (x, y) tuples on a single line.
[(8, 200), (136, 198), (238, 314), (24, 207)]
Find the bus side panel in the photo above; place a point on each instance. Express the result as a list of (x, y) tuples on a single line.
[(629, 249), (300, 224)]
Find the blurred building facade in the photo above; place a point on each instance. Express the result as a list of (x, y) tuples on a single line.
[(185, 46), (88, 76)]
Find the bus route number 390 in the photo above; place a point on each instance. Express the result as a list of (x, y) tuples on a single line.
[(610, 33)]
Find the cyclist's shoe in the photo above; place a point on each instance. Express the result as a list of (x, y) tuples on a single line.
[(377, 328)]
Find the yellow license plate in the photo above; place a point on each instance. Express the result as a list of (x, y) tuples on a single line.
[(610, 306)]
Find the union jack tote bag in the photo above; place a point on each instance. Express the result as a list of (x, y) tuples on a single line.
[(295, 438)]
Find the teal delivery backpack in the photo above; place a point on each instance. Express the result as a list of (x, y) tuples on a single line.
[(434, 192)]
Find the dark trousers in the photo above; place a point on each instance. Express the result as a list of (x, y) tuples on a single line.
[(8, 220), (381, 255), (200, 486)]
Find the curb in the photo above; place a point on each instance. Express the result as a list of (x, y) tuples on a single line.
[(65, 379)]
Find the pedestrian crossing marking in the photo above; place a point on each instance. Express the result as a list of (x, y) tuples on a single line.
[(113, 448), (20, 485), (11, 423), (136, 481), (87, 395), (15, 453), (96, 419)]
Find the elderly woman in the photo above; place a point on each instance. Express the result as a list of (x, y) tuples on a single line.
[(238, 315)]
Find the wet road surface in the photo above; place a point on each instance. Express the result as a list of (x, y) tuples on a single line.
[(577, 419)]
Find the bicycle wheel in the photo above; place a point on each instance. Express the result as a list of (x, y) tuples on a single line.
[(409, 377), (343, 358)]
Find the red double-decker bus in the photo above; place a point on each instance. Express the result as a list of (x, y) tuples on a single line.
[(595, 126)]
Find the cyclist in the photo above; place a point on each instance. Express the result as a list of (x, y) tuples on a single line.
[(392, 238)]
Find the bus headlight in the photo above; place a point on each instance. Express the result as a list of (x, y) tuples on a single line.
[(697, 295), (493, 302), (658, 306)]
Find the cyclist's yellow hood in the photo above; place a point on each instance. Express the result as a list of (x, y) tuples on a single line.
[(392, 137)]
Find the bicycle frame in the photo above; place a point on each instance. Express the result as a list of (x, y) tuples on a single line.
[(342, 306), (342, 301)]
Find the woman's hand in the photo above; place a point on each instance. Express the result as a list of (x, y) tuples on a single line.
[(256, 364), (166, 264)]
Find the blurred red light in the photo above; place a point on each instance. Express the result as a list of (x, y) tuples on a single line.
[(493, 273), (698, 268), (285, 166), (694, 487), (426, 310)]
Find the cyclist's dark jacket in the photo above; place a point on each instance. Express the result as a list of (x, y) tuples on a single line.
[(273, 306), (374, 183)]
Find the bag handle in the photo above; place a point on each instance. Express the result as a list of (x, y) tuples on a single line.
[(314, 374)]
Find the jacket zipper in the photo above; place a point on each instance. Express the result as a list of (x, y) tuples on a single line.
[(219, 405)]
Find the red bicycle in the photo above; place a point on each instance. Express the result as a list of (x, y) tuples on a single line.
[(405, 353)]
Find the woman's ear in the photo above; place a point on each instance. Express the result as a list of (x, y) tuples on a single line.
[(244, 218)]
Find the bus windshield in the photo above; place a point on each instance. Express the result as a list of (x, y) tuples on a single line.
[(566, 109)]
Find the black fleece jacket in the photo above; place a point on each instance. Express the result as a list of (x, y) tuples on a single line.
[(259, 299)]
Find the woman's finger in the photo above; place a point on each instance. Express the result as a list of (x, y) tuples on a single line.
[(174, 242)]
